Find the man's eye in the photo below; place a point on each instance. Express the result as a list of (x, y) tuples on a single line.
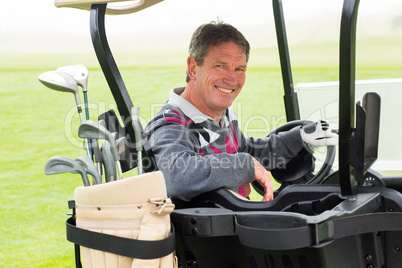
[(219, 66), (240, 69)]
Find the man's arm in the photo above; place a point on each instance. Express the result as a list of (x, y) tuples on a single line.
[(188, 174), (275, 149)]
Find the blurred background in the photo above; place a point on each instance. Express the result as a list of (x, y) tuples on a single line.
[(39, 27)]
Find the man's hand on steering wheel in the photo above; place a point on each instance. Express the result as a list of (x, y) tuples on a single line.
[(301, 168), (319, 133), (263, 177)]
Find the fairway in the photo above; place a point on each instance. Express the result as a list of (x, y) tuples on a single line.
[(38, 123)]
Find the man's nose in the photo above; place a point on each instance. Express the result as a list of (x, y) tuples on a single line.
[(230, 77)]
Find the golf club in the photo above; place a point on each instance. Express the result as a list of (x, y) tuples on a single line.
[(135, 121), (121, 144), (80, 74), (93, 130), (108, 162), (97, 155), (90, 168), (102, 123), (64, 82), (61, 164)]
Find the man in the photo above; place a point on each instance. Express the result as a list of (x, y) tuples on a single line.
[(195, 136)]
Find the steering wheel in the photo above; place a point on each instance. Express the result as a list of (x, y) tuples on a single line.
[(301, 168)]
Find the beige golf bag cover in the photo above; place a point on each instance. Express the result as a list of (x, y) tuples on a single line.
[(136, 208)]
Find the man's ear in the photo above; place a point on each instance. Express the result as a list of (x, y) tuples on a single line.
[(191, 67)]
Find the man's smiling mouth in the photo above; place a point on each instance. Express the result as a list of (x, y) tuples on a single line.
[(224, 90)]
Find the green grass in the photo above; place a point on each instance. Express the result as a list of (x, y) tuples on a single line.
[(37, 123)]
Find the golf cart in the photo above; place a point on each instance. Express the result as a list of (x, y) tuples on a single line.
[(345, 218)]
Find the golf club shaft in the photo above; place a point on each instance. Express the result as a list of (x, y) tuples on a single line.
[(120, 170), (138, 136), (97, 155), (79, 109), (86, 105), (90, 150), (85, 179), (139, 163), (108, 162)]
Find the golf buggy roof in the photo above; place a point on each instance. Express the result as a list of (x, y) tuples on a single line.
[(115, 7)]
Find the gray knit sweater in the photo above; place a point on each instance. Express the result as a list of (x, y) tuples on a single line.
[(196, 155)]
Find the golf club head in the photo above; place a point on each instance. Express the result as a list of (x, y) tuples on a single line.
[(108, 162), (102, 123), (78, 72), (90, 168), (61, 164), (121, 144), (110, 121), (60, 81), (93, 130)]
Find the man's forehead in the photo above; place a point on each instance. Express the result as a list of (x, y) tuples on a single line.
[(227, 51)]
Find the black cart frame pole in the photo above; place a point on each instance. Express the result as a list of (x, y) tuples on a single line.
[(347, 59), (109, 67), (290, 97)]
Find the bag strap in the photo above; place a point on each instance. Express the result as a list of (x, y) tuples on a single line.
[(133, 248)]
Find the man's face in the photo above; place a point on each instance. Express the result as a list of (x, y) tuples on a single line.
[(220, 79)]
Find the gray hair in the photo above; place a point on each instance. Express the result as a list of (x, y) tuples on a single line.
[(213, 34)]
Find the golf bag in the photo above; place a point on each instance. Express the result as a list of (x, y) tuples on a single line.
[(124, 223)]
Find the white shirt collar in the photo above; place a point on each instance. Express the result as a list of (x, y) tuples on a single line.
[(187, 108)]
